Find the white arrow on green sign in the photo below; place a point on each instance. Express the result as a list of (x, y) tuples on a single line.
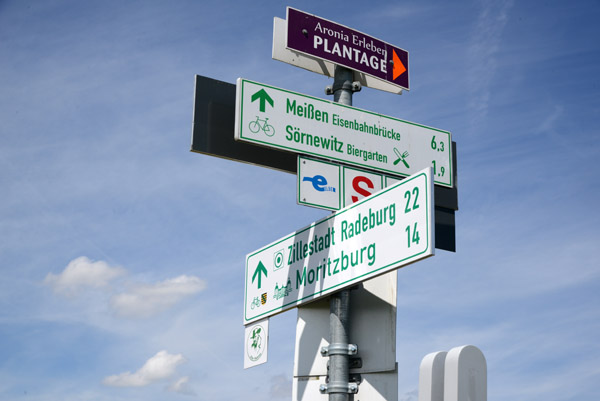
[(294, 122), (383, 232)]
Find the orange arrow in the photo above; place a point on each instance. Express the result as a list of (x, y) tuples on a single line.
[(399, 68)]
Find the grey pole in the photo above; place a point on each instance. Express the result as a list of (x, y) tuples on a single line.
[(343, 87), (339, 350), (339, 371)]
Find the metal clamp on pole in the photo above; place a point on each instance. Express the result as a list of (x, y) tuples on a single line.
[(339, 349), (339, 387), (354, 87)]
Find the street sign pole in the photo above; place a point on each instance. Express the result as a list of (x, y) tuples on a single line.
[(338, 387), (354, 58)]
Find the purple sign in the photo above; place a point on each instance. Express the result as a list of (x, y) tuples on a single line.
[(344, 46)]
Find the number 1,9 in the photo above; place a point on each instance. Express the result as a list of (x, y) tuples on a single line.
[(442, 170)]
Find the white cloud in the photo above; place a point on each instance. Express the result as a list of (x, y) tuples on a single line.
[(80, 273), (160, 366), (483, 51), (147, 300), (182, 386)]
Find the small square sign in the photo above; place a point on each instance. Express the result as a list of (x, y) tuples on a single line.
[(359, 184), (256, 343), (318, 184)]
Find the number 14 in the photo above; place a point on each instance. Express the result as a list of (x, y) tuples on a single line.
[(415, 235)]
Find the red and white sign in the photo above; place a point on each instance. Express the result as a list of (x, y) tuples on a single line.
[(360, 184)]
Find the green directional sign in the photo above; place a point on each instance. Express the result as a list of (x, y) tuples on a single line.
[(293, 122), (383, 232)]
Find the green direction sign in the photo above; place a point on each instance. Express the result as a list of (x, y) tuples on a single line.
[(298, 123), (383, 232)]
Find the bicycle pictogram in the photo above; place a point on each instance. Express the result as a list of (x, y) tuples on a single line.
[(261, 124)]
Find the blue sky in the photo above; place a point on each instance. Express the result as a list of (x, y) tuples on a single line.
[(122, 253)]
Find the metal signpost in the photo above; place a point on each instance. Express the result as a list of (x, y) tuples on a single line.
[(383, 232), (294, 122), (376, 232)]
